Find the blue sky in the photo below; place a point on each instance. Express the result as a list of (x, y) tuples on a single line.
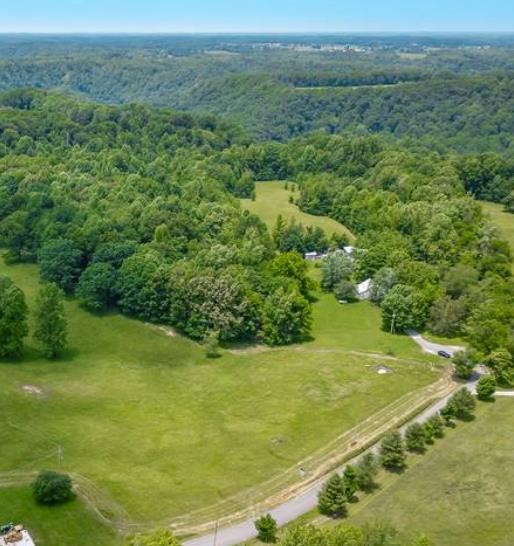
[(255, 15)]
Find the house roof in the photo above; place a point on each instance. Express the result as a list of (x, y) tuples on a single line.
[(364, 286)]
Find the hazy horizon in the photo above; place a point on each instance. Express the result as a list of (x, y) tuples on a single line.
[(256, 17)]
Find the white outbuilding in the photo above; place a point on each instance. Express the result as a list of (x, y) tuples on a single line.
[(364, 289)]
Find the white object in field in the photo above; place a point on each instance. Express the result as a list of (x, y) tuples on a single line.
[(311, 256), (24, 539)]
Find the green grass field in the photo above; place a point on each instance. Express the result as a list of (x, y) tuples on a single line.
[(67, 525), (461, 492), (504, 220), (163, 431), (272, 199)]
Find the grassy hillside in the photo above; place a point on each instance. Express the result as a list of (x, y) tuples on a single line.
[(162, 431), (462, 491), (272, 199), (504, 220)]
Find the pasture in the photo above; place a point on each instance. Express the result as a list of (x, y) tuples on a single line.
[(162, 431), (504, 220), (272, 199)]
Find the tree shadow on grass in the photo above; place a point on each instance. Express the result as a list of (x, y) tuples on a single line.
[(371, 488), (398, 470), (490, 400), (468, 418), (32, 354)]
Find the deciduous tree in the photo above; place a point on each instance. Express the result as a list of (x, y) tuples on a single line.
[(52, 488), (486, 387)]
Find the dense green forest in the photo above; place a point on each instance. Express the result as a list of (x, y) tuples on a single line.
[(443, 92), (137, 207)]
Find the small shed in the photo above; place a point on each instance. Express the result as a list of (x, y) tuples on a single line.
[(364, 289), (310, 256)]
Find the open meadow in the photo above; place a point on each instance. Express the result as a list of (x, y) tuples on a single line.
[(163, 431), (504, 220), (272, 199)]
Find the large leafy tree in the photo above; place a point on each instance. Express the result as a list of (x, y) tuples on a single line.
[(404, 307), (291, 265), (486, 387), (52, 488), (286, 317), (50, 320), (13, 318), (336, 267), (501, 363), (97, 286), (202, 302), (60, 262), (464, 362)]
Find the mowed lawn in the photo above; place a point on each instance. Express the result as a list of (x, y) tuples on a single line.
[(66, 525), (162, 430), (504, 220), (272, 199), (357, 327), (461, 492)]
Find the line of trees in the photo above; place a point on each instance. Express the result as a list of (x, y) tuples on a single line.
[(341, 489)]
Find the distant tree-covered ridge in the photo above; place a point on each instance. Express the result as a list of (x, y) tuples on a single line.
[(446, 93)]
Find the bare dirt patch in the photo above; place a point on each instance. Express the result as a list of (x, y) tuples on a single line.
[(381, 369), (33, 390), (170, 332), (242, 349)]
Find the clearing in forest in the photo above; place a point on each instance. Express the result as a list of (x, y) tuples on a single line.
[(504, 220), (272, 200)]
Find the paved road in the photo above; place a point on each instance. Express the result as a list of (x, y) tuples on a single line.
[(433, 348), (504, 393), (294, 508)]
